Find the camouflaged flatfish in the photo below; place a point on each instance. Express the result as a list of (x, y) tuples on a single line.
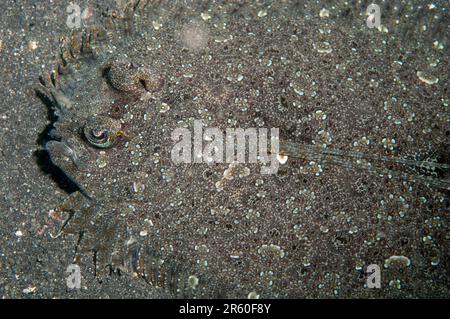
[(363, 119)]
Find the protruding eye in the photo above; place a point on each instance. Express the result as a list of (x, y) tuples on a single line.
[(126, 77), (102, 131)]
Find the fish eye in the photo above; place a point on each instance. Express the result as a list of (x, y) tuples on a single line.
[(123, 76), (102, 131), (129, 78)]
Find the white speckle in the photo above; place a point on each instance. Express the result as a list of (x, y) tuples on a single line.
[(402, 260), (143, 233), (395, 283), (438, 45), (244, 172), (282, 158), (19, 233), (353, 230), (164, 108), (253, 295), (320, 115), (29, 290), (428, 79), (383, 29), (388, 143), (219, 185), (262, 13), (324, 13), (271, 249), (193, 281), (324, 229), (205, 16), (325, 50), (32, 45), (156, 25), (102, 164)]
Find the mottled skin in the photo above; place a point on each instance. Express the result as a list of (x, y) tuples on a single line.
[(139, 212)]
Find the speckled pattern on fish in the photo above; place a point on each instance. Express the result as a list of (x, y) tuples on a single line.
[(342, 95)]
